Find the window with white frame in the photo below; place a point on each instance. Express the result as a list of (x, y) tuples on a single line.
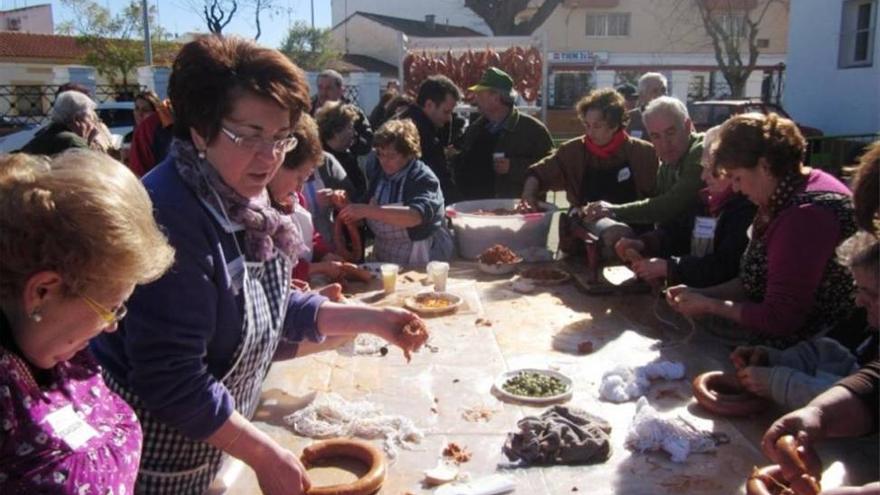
[(607, 25), (857, 33), (733, 24)]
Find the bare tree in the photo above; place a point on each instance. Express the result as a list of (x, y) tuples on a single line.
[(501, 15), (731, 28), (218, 14)]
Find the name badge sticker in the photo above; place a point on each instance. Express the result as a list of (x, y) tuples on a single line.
[(704, 227), (70, 428), (236, 270), (624, 174)]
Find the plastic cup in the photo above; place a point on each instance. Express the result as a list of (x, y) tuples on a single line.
[(438, 271), (389, 277)]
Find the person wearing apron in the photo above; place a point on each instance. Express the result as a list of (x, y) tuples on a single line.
[(191, 355), (90, 241), (405, 208)]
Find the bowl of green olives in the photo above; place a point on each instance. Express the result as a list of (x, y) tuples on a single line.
[(533, 386)]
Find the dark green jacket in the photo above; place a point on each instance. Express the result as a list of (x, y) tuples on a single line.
[(523, 139), (53, 140), (677, 187)]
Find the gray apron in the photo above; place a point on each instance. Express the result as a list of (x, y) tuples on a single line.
[(393, 245), (176, 465)]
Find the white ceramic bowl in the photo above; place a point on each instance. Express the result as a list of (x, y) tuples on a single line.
[(412, 303), (502, 379), (499, 268)]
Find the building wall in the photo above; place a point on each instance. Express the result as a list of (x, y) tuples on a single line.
[(817, 92), (447, 11), (655, 26), (37, 20), (367, 37)]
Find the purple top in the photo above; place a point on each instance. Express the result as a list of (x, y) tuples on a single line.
[(71, 435), (181, 332), (800, 241)]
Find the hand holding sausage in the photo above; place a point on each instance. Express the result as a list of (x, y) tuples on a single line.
[(744, 356), (805, 424), (755, 379)]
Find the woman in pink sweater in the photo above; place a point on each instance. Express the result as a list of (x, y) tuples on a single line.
[(790, 285)]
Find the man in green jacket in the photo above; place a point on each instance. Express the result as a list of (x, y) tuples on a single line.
[(498, 147), (73, 122), (678, 178)]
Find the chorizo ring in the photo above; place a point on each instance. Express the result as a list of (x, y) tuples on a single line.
[(793, 467), (354, 254), (767, 480), (340, 447), (722, 394)]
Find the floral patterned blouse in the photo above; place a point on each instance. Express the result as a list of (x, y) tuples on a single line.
[(68, 435)]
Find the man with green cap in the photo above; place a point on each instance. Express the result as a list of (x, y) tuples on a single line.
[(498, 147)]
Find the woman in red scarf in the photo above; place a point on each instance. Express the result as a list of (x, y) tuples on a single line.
[(605, 164), (717, 242)]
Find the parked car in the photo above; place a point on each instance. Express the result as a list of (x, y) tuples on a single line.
[(706, 114), (117, 116)]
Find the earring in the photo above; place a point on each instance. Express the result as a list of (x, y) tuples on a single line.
[(202, 154), (36, 316)]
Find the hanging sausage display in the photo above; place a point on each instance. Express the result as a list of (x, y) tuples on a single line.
[(524, 65)]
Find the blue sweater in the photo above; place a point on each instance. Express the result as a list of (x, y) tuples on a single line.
[(181, 331), (421, 192)]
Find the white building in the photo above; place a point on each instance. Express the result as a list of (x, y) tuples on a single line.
[(450, 12), (36, 19), (833, 66)]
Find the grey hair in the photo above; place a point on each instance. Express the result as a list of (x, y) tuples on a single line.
[(71, 106), (652, 77), (332, 74), (672, 107), (710, 140), (861, 250)]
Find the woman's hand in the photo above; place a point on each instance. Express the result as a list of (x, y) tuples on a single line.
[(744, 356), (281, 473), (687, 301), (355, 212), (650, 270), (755, 379), (390, 324), (626, 244)]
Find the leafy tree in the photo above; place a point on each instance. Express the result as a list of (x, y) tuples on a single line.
[(308, 47), (504, 17), (732, 28), (114, 45)]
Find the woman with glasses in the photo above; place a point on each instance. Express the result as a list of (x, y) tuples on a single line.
[(76, 236), (194, 349), (405, 208)]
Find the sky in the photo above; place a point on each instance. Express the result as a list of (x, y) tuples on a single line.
[(176, 16)]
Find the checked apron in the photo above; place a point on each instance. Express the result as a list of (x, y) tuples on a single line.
[(174, 464)]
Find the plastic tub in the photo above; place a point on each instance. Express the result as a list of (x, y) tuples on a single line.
[(476, 233)]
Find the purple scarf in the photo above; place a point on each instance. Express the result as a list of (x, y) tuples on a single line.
[(265, 227)]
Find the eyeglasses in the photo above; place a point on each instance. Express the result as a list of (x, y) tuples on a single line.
[(109, 316), (256, 143)]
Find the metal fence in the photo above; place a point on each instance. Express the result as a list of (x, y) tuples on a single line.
[(30, 104), (835, 154)]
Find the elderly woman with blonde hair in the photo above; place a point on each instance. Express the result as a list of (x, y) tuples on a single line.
[(405, 207), (76, 235)]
